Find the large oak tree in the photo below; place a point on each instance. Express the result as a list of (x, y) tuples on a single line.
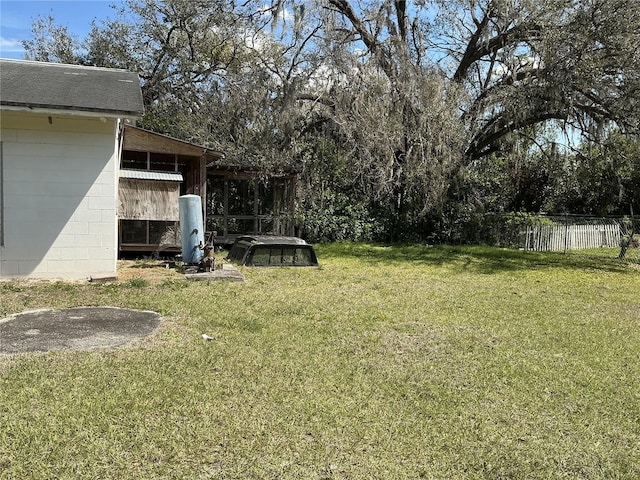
[(405, 95)]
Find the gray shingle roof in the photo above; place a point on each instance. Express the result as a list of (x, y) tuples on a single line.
[(58, 86)]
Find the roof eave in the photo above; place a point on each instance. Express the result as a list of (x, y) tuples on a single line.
[(55, 110), (205, 151)]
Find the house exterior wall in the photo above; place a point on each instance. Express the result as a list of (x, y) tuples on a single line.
[(59, 191)]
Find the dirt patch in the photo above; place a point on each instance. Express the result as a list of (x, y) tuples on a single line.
[(149, 270)]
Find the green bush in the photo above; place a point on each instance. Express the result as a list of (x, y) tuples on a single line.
[(335, 217)]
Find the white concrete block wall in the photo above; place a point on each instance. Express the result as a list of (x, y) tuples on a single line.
[(59, 178)]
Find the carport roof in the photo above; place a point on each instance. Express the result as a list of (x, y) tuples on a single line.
[(55, 86)]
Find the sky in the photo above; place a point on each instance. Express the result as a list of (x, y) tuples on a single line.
[(16, 17)]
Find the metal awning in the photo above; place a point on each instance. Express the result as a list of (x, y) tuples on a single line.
[(151, 175)]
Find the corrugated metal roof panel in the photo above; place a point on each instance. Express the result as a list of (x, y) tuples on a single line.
[(151, 175)]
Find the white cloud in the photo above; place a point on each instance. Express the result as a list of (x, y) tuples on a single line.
[(283, 14), (516, 64), (10, 45)]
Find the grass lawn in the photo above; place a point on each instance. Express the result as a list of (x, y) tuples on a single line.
[(384, 363)]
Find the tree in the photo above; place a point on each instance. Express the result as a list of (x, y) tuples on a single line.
[(51, 43), (208, 73), (606, 177), (412, 97), (181, 50), (420, 92)]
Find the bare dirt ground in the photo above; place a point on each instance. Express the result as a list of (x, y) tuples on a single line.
[(127, 270), (149, 270)]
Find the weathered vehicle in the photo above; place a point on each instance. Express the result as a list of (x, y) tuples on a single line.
[(272, 251)]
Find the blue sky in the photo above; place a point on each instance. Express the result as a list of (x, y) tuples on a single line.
[(16, 17)]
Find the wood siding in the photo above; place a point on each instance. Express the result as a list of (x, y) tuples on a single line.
[(148, 199), (142, 140)]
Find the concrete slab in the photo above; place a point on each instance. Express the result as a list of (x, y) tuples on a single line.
[(81, 328), (103, 278), (227, 272)]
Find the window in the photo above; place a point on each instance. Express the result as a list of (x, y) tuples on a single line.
[(241, 197), (215, 195), (134, 160), (240, 225), (239, 204), (264, 255), (149, 232)]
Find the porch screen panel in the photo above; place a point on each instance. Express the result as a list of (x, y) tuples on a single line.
[(148, 199)]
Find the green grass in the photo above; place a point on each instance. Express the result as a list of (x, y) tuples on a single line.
[(385, 362)]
